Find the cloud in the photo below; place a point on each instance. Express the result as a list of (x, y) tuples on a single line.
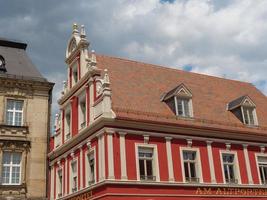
[(223, 38)]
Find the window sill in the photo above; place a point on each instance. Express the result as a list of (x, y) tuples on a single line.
[(11, 130)]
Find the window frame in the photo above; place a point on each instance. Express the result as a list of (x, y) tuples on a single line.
[(10, 166), (198, 166), (67, 135), (258, 170), (82, 98), (75, 160), (236, 166), (155, 162), (183, 99), (254, 114), (58, 182), (87, 167), (14, 111)]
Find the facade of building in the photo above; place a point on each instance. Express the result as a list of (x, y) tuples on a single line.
[(25, 99), (130, 130)]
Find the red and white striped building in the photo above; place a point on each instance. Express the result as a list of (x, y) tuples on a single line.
[(132, 130)]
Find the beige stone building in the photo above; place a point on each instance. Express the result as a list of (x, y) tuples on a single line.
[(25, 102)]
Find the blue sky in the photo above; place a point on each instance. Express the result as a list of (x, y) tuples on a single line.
[(225, 38)]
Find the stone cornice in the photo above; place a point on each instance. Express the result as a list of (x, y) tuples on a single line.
[(24, 87)]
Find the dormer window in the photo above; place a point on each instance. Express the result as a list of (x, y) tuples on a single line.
[(182, 107), (244, 109), (179, 101)]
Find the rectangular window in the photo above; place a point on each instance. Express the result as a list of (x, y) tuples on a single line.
[(74, 74), (190, 164), (82, 111), (91, 168), (14, 112), (60, 183), (74, 176), (182, 107), (262, 163), (146, 164), (229, 168), (248, 115), (11, 168), (67, 124)]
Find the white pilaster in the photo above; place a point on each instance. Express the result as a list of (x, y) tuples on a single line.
[(110, 155), (245, 149), (211, 163), (169, 158), (123, 156), (52, 176), (81, 168), (101, 157)]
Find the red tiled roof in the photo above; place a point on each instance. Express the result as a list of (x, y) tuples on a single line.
[(137, 89)]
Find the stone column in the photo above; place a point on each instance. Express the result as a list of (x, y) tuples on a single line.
[(169, 158), (211, 163), (245, 149), (110, 155), (123, 156)]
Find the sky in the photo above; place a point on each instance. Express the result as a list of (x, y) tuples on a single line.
[(225, 38)]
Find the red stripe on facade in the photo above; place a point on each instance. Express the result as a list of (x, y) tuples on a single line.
[(177, 168), (74, 115), (117, 160), (162, 157), (204, 160), (216, 147), (88, 104)]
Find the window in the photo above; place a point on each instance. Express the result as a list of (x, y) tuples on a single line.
[(244, 109), (190, 166), (74, 177), (82, 111), (67, 123), (11, 168), (91, 168), (182, 107), (2, 64), (14, 112), (248, 115), (146, 164), (262, 163), (74, 74), (60, 185), (229, 168), (179, 100)]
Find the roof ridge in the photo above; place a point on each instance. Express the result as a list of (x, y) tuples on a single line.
[(174, 69)]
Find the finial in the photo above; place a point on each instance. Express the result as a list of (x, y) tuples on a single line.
[(83, 34), (106, 77), (75, 28), (93, 57)]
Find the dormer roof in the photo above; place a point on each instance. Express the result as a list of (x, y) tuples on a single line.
[(244, 100), (180, 90)]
